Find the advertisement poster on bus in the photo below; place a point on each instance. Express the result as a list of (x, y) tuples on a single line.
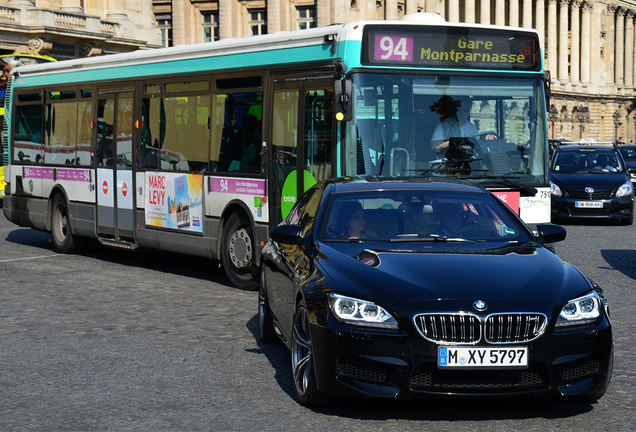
[(174, 201)]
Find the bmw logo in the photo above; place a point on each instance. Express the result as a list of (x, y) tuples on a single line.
[(480, 305), (589, 189)]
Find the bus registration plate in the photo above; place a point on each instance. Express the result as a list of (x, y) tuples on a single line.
[(474, 357), (588, 204)]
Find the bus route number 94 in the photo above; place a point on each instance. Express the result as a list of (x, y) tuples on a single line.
[(393, 48)]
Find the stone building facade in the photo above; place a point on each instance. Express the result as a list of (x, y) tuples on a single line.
[(66, 29), (589, 44)]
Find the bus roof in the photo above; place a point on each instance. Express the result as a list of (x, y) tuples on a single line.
[(304, 40)]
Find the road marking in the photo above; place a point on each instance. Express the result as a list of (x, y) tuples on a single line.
[(30, 258)]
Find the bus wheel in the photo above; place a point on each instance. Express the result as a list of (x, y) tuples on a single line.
[(238, 253), (63, 239)]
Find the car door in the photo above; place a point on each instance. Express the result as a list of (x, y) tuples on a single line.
[(293, 265)]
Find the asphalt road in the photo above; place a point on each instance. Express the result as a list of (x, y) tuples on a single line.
[(119, 341)]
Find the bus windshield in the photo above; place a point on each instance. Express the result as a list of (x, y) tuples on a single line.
[(487, 129)]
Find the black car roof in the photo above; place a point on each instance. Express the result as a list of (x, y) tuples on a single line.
[(362, 184)]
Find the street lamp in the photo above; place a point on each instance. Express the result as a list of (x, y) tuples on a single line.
[(617, 123), (552, 115), (583, 116)]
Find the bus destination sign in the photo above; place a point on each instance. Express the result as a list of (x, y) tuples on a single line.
[(443, 47)]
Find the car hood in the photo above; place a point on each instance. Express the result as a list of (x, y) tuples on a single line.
[(582, 180), (511, 272)]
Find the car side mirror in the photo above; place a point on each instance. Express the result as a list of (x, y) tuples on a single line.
[(551, 233), (288, 234)]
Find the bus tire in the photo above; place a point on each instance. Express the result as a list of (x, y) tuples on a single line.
[(61, 234), (238, 252)]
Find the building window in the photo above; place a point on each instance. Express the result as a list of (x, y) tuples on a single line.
[(258, 22), (164, 22), (210, 26), (306, 17)]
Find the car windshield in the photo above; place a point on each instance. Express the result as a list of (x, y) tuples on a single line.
[(419, 216), (587, 161), (629, 153)]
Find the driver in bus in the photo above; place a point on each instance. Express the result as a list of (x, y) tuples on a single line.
[(453, 122)]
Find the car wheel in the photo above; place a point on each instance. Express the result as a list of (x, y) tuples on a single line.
[(63, 239), (265, 317), (303, 364), (238, 252)]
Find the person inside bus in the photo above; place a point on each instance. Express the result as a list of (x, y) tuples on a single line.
[(452, 216), (453, 122), (352, 221)]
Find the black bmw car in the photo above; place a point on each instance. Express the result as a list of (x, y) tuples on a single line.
[(591, 181), (403, 289)]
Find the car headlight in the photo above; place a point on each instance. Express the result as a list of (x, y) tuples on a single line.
[(360, 313), (555, 190), (580, 311), (625, 190)]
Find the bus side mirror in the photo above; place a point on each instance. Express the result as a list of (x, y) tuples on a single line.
[(342, 95)]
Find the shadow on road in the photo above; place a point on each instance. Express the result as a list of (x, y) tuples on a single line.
[(622, 260)]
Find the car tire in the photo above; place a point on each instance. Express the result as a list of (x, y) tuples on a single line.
[(61, 233), (238, 252), (267, 333), (303, 370)]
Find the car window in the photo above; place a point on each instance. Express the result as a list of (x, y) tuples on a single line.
[(304, 212), (587, 160), (391, 216)]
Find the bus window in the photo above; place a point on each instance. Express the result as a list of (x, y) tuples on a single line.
[(237, 133), (28, 134), (319, 119), (60, 140)]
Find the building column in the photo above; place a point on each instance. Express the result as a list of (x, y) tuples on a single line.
[(620, 48), (117, 10), (453, 10), (527, 14), (72, 6), (500, 12), (273, 16), (226, 19), (539, 13), (610, 48), (323, 14), (585, 43), (469, 12), (178, 23), (575, 49), (513, 19), (563, 42), (391, 12), (411, 7), (552, 39), (629, 50), (484, 12)]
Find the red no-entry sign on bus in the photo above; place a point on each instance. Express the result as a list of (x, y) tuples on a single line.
[(124, 189), (105, 187)]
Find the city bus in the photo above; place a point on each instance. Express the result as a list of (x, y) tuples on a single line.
[(7, 63), (202, 149)]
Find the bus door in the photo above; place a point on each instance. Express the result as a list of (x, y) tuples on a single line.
[(114, 155), (301, 141)]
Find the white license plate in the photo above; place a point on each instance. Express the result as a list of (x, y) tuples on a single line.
[(592, 204), (469, 357)]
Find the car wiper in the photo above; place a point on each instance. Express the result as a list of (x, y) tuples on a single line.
[(506, 179), (433, 238)]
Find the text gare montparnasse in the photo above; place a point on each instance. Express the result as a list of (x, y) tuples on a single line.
[(472, 51)]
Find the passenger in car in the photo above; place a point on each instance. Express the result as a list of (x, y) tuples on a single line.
[(352, 221), (603, 163)]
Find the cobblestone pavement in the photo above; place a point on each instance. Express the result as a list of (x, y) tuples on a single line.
[(119, 341)]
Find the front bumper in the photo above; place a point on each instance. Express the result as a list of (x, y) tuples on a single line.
[(618, 208), (351, 362)]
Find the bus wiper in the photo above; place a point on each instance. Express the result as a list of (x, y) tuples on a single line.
[(506, 179)]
